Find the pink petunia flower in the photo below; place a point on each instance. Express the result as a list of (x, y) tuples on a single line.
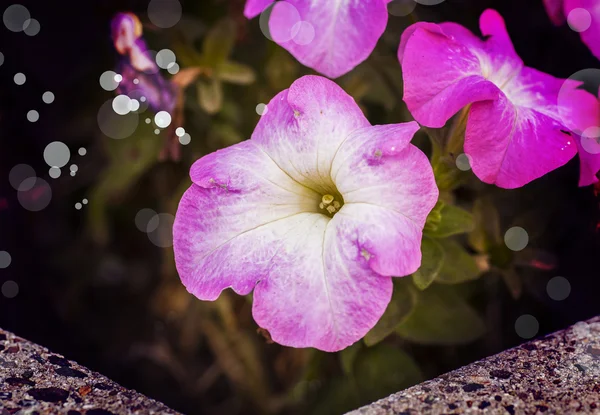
[(583, 16), (515, 132), (331, 37), (315, 213), (588, 142)]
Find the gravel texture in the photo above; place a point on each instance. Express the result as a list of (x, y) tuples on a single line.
[(34, 380), (557, 374)]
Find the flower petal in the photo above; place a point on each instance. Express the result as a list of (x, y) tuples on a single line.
[(304, 127), (255, 7), (511, 146), (240, 200), (388, 189), (590, 36), (319, 295), (345, 32), (441, 75)]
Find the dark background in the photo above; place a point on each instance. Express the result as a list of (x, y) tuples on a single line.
[(96, 303)]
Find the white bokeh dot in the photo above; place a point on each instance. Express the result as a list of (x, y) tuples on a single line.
[(262, 109), (54, 172), (48, 97), (463, 162), (143, 217), (156, 131), (74, 167), (185, 139), (82, 151), (31, 27), (20, 78), (516, 238), (107, 81), (15, 17), (164, 13), (179, 131), (78, 206), (304, 33), (164, 58), (121, 104), (33, 116), (84, 201), (401, 8), (57, 154), (173, 68), (162, 119)]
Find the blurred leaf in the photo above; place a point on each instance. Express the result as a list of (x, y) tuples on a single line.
[(382, 370), (225, 135), (281, 69), (210, 95), (187, 55), (441, 316), (459, 266), (338, 396), (348, 356), (129, 159), (219, 42), (431, 263), (513, 282), (235, 73), (434, 217), (186, 76), (398, 309), (486, 232), (454, 220)]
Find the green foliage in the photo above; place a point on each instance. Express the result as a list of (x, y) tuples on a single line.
[(459, 266), (399, 308), (432, 261), (441, 316), (447, 220)]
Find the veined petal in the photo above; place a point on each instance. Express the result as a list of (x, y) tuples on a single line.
[(240, 199), (441, 75), (318, 294), (255, 7), (511, 146), (388, 189), (345, 32), (304, 127)]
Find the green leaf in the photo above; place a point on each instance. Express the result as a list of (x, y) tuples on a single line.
[(459, 266), (219, 42), (454, 220), (382, 370), (210, 95), (337, 397), (235, 73), (348, 356), (513, 282), (398, 309), (441, 317), (431, 263)]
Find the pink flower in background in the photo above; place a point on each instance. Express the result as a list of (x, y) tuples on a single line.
[(331, 37), (315, 213), (515, 132), (588, 142), (583, 16)]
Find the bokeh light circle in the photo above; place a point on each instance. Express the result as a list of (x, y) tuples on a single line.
[(57, 154), (33, 116), (429, 2), (179, 131), (262, 109), (579, 20), (164, 58), (5, 259), (185, 139), (558, 288), (164, 13), (37, 197), (48, 97), (173, 68), (463, 162), (286, 12), (114, 125), (1, 58), (54, 172), (401, 8), (107, 81), (304, 33), (162, 119), (588, 79), (82, 151), (527, 326), (10, 289), (15, 16), (20, 78), (516, 238), (162, 233), (22, 177), (31, 27), (143, 217)]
